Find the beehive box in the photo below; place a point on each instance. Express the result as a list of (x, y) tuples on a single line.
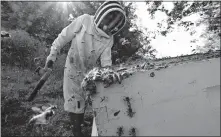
[(180, 100)]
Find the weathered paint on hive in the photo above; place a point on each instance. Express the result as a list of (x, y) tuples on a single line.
[(179, 100)]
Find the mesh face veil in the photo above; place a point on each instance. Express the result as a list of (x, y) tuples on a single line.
[(110, 17)]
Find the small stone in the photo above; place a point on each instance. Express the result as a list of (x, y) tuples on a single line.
[(7, 77), (152, 74)]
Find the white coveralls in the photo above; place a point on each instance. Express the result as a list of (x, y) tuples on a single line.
[(89, 45)]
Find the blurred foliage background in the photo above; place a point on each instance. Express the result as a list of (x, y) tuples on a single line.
[(34, 26)]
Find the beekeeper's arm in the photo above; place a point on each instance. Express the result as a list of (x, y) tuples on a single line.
[(105, 58), (66, 35)]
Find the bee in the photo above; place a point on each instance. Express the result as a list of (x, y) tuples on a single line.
[(132, 131), (130, 112), (116, 113), (152, 74), (120, 131), (127, 99)]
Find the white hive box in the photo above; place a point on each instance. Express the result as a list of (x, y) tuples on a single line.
[(180, 100)]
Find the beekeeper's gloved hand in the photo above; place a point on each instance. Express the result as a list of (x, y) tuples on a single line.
[(51, 58), (48, 64)]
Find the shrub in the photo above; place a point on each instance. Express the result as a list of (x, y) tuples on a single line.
[(20, 49)]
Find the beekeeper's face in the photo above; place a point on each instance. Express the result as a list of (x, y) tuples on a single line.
[(111, 22)]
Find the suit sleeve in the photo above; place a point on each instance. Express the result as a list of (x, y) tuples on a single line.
[(66, 35), (106, 56)]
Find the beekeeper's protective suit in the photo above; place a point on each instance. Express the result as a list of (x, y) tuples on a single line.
[(92, 39)]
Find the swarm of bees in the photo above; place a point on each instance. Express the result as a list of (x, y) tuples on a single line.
[(105, 75)]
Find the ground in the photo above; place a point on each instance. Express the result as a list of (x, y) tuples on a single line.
[(16, 85)]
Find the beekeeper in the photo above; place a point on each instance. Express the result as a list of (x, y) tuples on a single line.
[(92, 39)]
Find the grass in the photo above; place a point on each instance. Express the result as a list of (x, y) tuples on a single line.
[(16, 85)]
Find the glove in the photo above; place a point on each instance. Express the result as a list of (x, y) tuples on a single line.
[(51, 58), (48, 64)]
